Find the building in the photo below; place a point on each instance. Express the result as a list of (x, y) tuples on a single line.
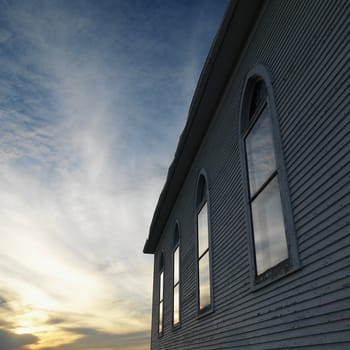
[(251, 234)]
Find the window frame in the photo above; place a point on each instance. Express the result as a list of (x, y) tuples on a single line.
[(198, 207), (177, 244), (292, 263)]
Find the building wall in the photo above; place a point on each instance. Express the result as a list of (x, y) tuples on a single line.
[(306, 48)]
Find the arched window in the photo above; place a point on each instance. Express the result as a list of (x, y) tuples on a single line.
[(203, 247), (269, 207), (161, 295), (176, 277)]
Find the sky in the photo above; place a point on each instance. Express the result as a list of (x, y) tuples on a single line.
[(93, 98)]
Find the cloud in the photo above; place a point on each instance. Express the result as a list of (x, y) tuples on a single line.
[(3, 303), (11, 341), (8, 302), (92, 100), (94, 339), (56, 320), (4, 35), (69, 188)]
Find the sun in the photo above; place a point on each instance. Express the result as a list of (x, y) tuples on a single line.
[(26, 327)]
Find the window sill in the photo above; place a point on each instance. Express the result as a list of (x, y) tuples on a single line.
[(205, 312), (176, 327), (160, 335), (273, 275)]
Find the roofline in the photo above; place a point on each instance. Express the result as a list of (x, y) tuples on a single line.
[(223, 56)]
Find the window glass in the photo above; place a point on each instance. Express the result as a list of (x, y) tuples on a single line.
[(204, 281), (202, 230), (176, 265), (269, 233), (204, 286), (260, 152), (267, 215), (160, 324), (201, 191), (176, 236), (176, 286), (259, 96), (176, 316), (161, 286)]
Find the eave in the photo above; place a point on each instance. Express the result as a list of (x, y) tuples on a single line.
[(222, 59)]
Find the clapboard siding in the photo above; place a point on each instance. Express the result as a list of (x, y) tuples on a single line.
[(305, 47)]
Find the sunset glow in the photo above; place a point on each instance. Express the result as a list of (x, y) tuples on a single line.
[(25, 327), (93, 97)]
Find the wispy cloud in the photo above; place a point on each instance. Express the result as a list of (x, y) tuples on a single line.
[(92, 100)]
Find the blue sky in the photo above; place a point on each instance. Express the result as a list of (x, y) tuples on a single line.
[(93, 98)]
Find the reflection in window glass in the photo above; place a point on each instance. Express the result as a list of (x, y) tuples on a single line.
[(259, 96), (160, 329), (176, 287), (266, 207), (260, 152), (176, 265), (269, 232), (161, 286), (203, 249), (203, 230), (204, 281), (176, 316)]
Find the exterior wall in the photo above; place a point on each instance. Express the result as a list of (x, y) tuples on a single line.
[(305, 46)]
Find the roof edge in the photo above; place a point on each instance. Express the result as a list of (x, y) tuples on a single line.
[(222, 58)]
